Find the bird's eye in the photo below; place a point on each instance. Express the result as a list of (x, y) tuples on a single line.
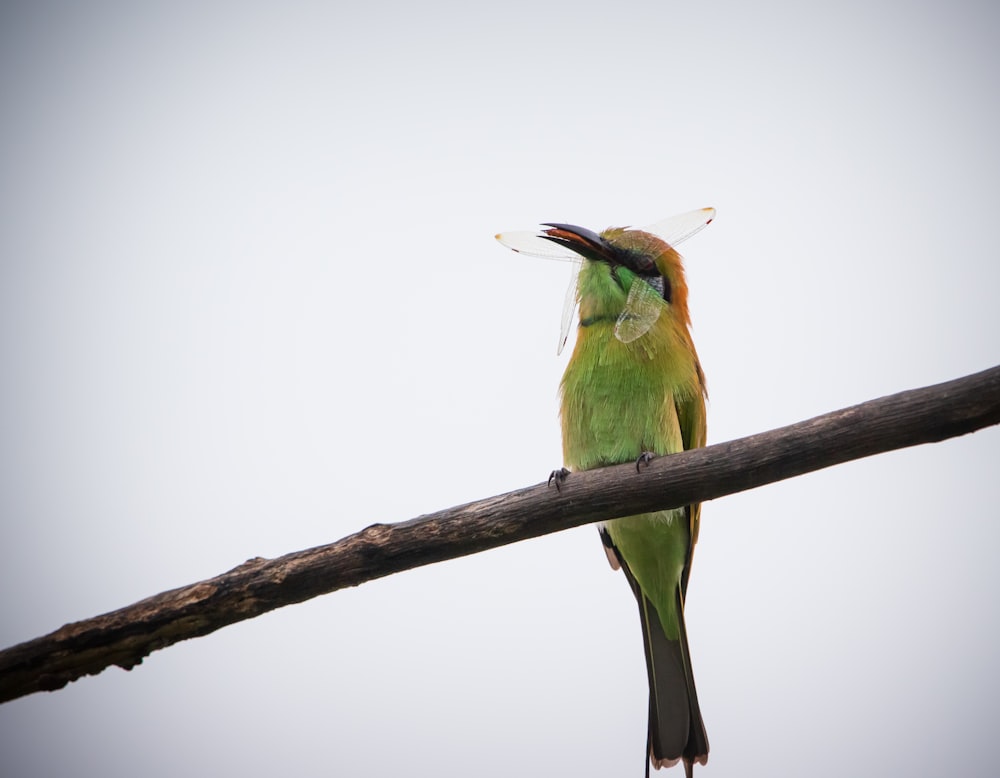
[(640, 264)]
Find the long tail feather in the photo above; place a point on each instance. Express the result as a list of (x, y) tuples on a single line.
[(676, 730)]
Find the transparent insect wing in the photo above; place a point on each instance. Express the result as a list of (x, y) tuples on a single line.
[(533, 244), (642, 309), (569, 307), (644, 303), (677, 229)]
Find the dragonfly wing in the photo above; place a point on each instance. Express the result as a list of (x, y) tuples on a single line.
[(642, 309), (678, 229), (533, 244), (644, 303), (569, 308)]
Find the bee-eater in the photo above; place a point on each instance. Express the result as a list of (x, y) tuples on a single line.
[(634, 388)]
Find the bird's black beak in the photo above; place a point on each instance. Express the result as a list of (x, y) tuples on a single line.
[(586, 243)]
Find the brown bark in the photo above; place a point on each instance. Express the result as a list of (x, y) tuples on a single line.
[(125, 636)]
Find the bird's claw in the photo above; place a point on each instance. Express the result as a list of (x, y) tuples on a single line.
[(644, 459), (558, 476)]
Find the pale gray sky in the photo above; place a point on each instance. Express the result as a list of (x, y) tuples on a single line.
[(250, 302)]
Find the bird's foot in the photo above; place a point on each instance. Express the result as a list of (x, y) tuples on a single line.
[(644, 459), (558, 476)]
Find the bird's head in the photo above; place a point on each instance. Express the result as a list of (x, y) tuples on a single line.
[(642, 254)]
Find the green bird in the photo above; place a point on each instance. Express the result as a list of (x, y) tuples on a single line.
[(634, 388)]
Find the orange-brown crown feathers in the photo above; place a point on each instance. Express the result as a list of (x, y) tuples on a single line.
[(666, 258)]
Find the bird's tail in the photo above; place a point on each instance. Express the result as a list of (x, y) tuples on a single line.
[(676, 731)]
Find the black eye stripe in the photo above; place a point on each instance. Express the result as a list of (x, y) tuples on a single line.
[(639, 264)]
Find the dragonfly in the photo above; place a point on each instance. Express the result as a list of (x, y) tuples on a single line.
[(645, 300)]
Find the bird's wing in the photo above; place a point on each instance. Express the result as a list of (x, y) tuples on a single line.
[(691, 415)]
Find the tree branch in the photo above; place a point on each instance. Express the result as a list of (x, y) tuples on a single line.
[(124, 637)]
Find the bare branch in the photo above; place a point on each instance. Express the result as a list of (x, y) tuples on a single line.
[(124, 637)]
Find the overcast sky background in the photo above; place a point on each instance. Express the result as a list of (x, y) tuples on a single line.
[(250, 302)]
